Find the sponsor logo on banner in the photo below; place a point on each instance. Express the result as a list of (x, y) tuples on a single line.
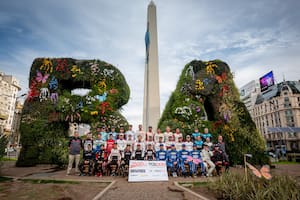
[(140, 171)]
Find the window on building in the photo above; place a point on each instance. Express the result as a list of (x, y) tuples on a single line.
[(291, 135)]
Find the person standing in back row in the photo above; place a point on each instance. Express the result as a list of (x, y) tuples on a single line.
[(75, 145)]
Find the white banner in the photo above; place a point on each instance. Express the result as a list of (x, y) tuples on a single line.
[(140, 170)]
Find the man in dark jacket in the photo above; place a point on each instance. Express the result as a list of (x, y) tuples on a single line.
[(75, 145)]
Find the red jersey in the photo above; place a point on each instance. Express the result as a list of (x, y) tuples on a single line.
[(109, 145)]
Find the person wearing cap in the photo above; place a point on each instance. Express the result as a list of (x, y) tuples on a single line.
[(149, 153), (149, 133), (150, 141), (172, 160), (138, 153), (196, 154), (188, 143), (167, 134), (209, 143), (130, 141), (140, 142), (161, 154), (158, 134), (103, 133), (160, 143), (170, 141), (177, 134), (98, 142), (88, 141), (130, 132), (110, 143), (206, 157), (121, 143), (140, 132), (114, 158), (179, 143), (113, 132), (100, 161), (183, 155), (122, 131), (127, 155)]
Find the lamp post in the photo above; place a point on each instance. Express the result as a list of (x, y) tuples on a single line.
[(245, 161)]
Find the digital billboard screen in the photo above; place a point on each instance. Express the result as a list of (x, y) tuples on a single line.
[(266, 81)]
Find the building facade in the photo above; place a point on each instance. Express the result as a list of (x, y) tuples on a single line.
[(249, 93), (8, 95), (276, 114)]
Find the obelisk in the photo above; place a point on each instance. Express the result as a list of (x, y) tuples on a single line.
[(151, 111)]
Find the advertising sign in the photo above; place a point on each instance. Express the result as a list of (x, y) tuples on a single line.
[(140, 170), (266, 81)]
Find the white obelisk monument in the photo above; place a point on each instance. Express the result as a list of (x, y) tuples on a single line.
[(151, 111)]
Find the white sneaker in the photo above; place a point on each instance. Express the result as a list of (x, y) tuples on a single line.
[(174, 174)]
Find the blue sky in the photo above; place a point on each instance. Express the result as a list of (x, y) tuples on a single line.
[(253, 37)]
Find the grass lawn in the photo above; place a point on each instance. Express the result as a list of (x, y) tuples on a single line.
[(285, 162)]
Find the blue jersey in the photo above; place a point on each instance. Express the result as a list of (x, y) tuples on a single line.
[(196, 154), (195, 135), (114, 134), (161, 155), (199, 143), (206, 135), (172, 156), (97, 144), (104, 136), (183, 154)]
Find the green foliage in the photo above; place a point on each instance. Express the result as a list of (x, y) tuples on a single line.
[(5, 179), (44, 143), (50, 106), (3, 143), (206, 96), (234, 186)]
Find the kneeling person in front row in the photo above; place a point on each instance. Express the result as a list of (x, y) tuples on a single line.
[(138, 153), (161, 154), (149, 154), (86, 165), (172, 160), (185, 165), (114, 160)]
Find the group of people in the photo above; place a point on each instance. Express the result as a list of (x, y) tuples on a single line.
[(112, 151)]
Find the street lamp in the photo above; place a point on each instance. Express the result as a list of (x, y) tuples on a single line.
[(245, 161)]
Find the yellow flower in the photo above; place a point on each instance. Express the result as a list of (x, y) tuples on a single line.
[(210, 68), (226, 127), (199, 85), (75, 71), (102, 86), (94, 112), (47, 65)]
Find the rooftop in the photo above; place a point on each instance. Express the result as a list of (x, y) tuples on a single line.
[(275, 90)]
